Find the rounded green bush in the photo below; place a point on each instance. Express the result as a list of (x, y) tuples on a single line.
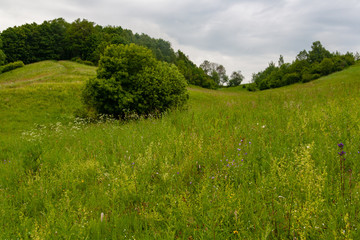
[(131, 81)]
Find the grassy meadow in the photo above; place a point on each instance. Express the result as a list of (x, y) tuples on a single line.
[(275, 164)]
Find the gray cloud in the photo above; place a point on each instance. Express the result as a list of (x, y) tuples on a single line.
[(240, 34)]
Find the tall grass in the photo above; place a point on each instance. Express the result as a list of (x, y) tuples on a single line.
[(235, 165)]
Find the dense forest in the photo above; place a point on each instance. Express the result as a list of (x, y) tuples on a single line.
[(84, 41), (307, 66)]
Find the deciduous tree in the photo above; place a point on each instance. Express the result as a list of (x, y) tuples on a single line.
[(236, 79)]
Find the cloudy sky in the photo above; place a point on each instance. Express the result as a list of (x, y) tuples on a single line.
[(240, 34)]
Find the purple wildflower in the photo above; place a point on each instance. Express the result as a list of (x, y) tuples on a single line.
[(341, 145), (342, 153)]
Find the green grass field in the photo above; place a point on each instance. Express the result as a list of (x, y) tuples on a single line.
[(234, 165)]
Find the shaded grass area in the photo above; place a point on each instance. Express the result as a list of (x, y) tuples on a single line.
[(235, 165)]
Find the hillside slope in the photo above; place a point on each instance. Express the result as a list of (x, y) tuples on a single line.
[(44, 92), (276, 164)]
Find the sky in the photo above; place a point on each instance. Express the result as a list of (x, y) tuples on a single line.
[(243, 35)]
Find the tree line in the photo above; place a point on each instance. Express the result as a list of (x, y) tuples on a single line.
[(307, 66), (84, 41)]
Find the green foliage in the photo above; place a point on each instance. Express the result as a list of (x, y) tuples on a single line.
[(236, 79), (251, 87), (131, 81), (11, 66), (291, 78), (216, 72), (2, 58), (2, 54), (326, 66), (193, 74), (80, 39), (32, 42), (79, 60), (318, 53), (306, 67)]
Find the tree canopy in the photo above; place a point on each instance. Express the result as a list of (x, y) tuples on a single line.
[(236, 79), (306, 67)]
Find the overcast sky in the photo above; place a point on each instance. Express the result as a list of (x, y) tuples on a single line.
[(240, 34)]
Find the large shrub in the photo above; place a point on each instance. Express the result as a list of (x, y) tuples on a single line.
[(130, 80)]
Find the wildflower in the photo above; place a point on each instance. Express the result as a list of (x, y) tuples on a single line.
[(236, 232), (263, 126), (341, 145), (342, 153), (177, 173), (249, 142), (190, 182)]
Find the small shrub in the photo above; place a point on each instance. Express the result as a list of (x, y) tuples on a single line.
[(79, 60), (251, 87), (307, 77), (11, 66)]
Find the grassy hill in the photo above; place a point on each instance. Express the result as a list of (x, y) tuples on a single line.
[(234, 165), (40, 93)]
